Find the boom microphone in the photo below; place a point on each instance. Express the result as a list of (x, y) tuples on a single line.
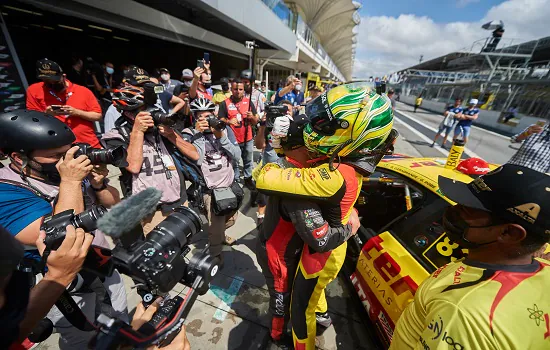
[(129, 213)]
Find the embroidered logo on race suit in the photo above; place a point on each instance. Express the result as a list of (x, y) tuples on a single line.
[(298, 174), (279, 304), (458, 272), (309, 223), (324, 173), (321, 231)]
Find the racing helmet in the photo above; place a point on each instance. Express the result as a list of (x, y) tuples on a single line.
[(350, 120), (24, 131), (202, 104), (473, 166), (128, 98)]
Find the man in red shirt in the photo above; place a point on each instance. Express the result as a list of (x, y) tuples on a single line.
[(237, 112), (73, 104)]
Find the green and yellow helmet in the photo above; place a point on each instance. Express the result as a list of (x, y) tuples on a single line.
[(350, 120)]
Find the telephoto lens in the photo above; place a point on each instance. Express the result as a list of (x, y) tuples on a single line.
[(176, 229), (115, 155)]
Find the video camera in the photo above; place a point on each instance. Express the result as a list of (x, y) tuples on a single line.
[(150, 96), (274, 111), (155, 263), (114, 155)]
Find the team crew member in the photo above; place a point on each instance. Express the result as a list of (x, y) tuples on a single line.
[(73, 104), (495, 298), (240, 116), (534, 153), (308, 303), (451, 115), (44, 177), (465, 120)]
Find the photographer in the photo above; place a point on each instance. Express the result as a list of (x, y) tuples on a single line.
[(151, 148), (45, 177), (216, 154), (202, 82), (22, 308), (269, 155), (237, 112)]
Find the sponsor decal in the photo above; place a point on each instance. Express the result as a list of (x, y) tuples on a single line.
[(536, 314), (385, 325), (298, 174), (309, 223), (458, 272), (279, 304), (438, 271), (312, 176), (321, 231), (360, 292), (327, 107), (437, 327)]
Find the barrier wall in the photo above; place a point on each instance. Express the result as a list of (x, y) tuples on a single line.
[(487, 119)]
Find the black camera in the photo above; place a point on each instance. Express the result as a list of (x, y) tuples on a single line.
[(158, 262), (56, 225), (215, 123), (274, 111), (150, 97), (113, 155)]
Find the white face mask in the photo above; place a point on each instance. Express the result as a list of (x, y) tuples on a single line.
[(165, 77), (298, 87), (188, 83), (110, 70)]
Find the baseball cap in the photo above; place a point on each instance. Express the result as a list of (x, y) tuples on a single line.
[(136, 76), (164, 70), (187, 74), (512, 192), (47, 69), (474, 101), (473, 166)]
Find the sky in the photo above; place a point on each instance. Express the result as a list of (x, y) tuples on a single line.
[(393, 34)]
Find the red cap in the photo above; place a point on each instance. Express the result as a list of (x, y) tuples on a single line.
[(473, 166)]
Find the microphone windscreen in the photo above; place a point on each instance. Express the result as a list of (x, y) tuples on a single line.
[(124, 216)]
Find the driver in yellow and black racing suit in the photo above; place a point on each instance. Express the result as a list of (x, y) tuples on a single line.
[(315, 205)]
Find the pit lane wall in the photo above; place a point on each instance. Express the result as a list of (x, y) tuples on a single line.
[(487, 119)]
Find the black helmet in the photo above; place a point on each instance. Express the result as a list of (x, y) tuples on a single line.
[(247, 74), (23, 131), (128, 98)]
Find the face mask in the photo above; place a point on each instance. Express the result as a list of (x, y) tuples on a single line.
[(457, 229), (48, 170), (298, 87), (165, 77), (57, 87), (110, 70), (188, 83), (207, 85)]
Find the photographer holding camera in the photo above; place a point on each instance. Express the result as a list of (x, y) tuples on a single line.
[(22, 308), (223, 195), (47, 176), (151, 146), (238, 112)]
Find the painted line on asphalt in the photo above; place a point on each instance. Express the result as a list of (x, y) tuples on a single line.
[(470, 153), (422, 136), (227, 297)]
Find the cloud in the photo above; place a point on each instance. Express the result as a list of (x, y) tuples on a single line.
[(464, 3), (386, 44)]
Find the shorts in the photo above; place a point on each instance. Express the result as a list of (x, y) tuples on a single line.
[(463, 130), (444, 127)]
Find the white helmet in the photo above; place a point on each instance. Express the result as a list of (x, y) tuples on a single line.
[(474, 101), (202, 104)]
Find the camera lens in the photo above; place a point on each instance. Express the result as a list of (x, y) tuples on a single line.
[(87, 220), (115, 156), (176, 229)]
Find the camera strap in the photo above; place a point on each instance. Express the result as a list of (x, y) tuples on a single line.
[(72, 313)]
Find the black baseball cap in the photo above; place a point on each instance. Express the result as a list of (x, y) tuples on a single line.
[(511, 192), (136, 76), (295, 135), (164, 70), (48, 69)]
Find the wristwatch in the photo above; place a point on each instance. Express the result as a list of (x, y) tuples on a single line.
[(103, 186)]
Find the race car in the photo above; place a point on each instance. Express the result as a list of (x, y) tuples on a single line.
[(401, 240)]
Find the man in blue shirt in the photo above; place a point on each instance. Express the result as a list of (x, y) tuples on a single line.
[(287, 93), (452, 114), (465, 121), (45, 177)]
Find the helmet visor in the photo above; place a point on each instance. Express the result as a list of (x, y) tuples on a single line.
[(320, 116)]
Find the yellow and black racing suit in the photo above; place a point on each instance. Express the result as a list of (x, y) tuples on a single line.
[(302, 242)]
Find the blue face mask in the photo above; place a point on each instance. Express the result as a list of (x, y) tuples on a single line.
[(110, 70)]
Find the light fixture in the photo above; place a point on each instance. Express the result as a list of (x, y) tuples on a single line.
[(119, 38), (46, 27), (22, 10), (97, 37), (100, 28), (71, 28)]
